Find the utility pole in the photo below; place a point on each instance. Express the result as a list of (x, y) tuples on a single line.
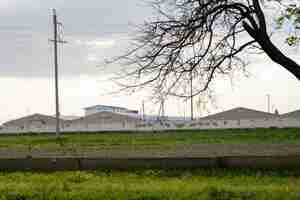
[(192, 106), (56, 74), (143, 109), (163, 109), (184, 110), (56, 40)]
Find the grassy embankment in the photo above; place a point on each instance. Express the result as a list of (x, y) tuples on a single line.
[(251, 136), (152, 185)]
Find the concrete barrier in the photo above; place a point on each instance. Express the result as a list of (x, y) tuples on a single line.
[(165, 163), (71, 163), (39, 164), (277, 162)]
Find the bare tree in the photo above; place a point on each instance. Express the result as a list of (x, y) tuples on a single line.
[(204, 39)]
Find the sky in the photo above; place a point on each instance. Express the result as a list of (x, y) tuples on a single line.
[(95, 31)]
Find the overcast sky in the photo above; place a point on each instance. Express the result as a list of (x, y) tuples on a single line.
[(97, 30)]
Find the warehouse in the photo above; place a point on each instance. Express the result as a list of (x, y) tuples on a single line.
[(31, 123), (103, 121), (109, 121), (294, 114), (237, 118), (247, 118)]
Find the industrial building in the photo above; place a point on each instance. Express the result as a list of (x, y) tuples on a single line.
[(103, 121), (239, 113), (294, 114), (125, 119), (245, 118), (93, 122), (32, 123), (103, 108)]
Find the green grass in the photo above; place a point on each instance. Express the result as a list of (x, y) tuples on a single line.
[(246, 136), (152, 185)]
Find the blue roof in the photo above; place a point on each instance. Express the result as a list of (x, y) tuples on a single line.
[(114, 107)]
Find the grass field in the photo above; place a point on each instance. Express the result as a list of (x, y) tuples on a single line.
[(152, 185), (250, 136)]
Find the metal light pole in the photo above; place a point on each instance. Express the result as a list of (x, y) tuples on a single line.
[(268, 99)]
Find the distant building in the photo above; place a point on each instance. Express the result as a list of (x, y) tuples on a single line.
[(239, 118), (239, 114), (103, 108), (103, 121), (117, 118), (32, 123), (156, 118), (67, 117), (294, 114)]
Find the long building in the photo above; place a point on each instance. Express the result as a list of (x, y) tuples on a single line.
[(94, 122), (245, 118), (240, 113), (105, 120), (294, 114), (32, 123)]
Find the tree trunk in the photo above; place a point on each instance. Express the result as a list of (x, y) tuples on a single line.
[(277, 56)]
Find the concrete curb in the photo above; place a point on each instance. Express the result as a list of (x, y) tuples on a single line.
[(72, 163)]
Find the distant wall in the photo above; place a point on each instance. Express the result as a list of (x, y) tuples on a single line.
[(74, 127), (249, 123), (139, 126)]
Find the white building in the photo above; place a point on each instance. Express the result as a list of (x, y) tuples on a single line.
[(103, 121), (294, 114), (122, 119), (32, 123), (103, 108), (245, 118)]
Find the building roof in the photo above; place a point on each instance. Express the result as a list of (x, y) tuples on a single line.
[(239, 113), (105, 117), (68, 117), (31, 118), (113, 107), (294, 114)]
